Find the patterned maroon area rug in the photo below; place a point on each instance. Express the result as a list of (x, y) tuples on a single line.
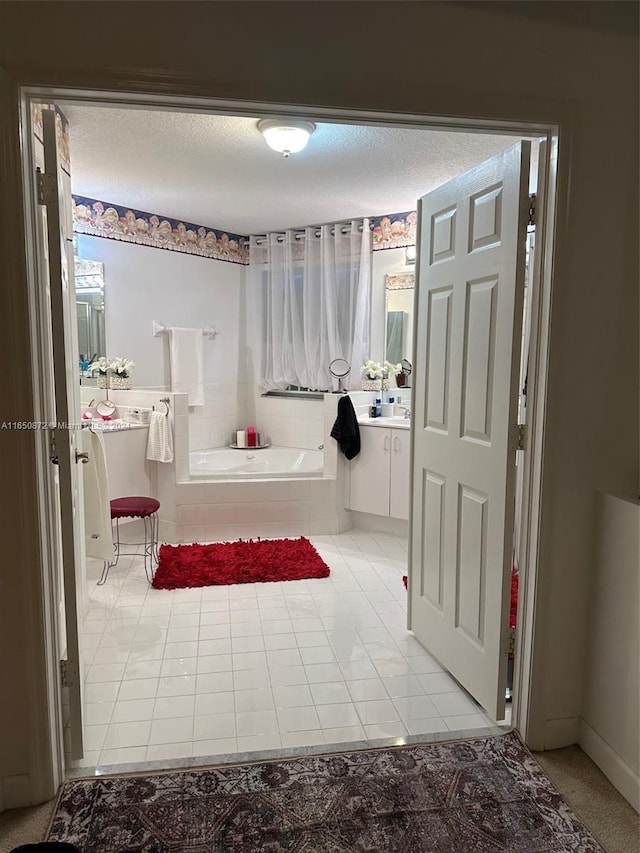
[(250, 561), (475, 796)]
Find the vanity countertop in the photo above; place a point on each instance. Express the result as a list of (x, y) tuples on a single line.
[(397, 422)]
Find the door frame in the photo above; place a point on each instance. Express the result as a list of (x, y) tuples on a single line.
[(528, 704)]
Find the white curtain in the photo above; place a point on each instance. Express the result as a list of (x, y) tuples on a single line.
[(308, 299)]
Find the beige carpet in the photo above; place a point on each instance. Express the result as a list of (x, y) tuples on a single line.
[(597, 803), (24, 826), (606, 813)]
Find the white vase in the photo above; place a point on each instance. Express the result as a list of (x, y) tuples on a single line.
[(120, 383), (371, 384)]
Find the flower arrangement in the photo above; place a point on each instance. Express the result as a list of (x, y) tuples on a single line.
[(372, 373), (372, 370), (99, 366), (122, 367), (376, 375)]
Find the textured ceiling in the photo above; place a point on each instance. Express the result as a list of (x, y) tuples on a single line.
[(218, 171)]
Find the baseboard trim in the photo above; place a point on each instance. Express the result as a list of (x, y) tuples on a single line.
[(379, 523), (562, 732), (617, 771)]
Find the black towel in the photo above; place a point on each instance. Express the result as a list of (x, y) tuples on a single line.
[(346, 430)]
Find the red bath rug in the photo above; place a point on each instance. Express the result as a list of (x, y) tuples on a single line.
[(251, 561)]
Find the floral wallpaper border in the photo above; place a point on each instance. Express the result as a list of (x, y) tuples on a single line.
[(115, 222), (103, 219), (400, 281), (394, 230)]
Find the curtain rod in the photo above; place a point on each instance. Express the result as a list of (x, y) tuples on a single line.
[(298, 235)]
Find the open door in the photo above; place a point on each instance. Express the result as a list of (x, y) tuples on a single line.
[(470, 285), (65, 492)]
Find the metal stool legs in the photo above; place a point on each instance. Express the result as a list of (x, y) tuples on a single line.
[(150, 548)]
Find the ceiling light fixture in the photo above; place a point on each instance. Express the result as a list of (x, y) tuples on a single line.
[(286, 136)]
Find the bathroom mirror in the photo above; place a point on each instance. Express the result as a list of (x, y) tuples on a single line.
[(340, 368), (89, 279), (399, 291), (402, 379)]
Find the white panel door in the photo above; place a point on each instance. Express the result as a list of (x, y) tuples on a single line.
[(400, 473), (469, 317), (369, 472), (60, 270)]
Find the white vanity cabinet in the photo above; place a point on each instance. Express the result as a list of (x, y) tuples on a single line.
[(379, 474), (400, 473)]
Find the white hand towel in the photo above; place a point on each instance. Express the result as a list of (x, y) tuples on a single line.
[(187, 364), (97, 511), (160, 441)]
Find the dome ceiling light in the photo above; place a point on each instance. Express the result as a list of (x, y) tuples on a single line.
[(286, 136)]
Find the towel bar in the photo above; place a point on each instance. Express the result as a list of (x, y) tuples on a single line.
[(158, 329)]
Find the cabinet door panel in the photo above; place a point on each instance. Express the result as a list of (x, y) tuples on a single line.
[(369, 475), (400, 473)]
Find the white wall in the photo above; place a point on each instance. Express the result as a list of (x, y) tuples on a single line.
[(610, 725), (143, 284)]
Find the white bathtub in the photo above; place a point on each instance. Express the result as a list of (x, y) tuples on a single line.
[(224, 463)]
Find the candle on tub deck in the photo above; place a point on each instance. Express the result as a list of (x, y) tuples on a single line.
[(251, 436), (240, 438)]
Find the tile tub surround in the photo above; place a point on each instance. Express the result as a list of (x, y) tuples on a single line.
[(218, 670), (208, 511), (135, 398), (213, 424), (202, 511), (289, 422), (220, 510)]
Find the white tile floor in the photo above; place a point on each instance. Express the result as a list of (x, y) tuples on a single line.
[(219, 670)]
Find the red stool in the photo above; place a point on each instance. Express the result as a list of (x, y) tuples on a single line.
[(135, 507)]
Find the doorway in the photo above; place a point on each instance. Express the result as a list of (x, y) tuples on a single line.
[(196, 673)]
